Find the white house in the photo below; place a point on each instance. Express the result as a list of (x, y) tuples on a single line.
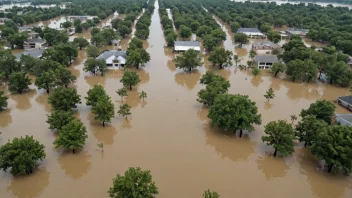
[(182, 46), (250, 32), (35, 53), (265, 61), (264, 47), (113, 58), (82, 18), (34, 43)]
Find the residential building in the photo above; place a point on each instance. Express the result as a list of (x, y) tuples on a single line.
[(251, 32), (265, 61), (345, 101), (182, 46), (35, 53), (264, 47), (2, 21), (82, 18), (114, 58), (34, 43), (25, 29), (343, 119), (297, 31)]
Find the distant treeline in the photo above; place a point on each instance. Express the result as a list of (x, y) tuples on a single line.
[(326, 1)]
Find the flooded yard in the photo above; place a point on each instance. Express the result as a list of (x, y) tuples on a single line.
[(170, 135)]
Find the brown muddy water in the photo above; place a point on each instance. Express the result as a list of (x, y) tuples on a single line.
[(170, 134)]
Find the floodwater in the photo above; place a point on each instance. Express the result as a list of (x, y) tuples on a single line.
[(8, 6), (169, 134)]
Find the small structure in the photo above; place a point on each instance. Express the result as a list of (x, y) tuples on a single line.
[(345, 101), (25, 29), (297, 31), (284, 35), (265, 61), (35, 53), (182, 46), (82, 18), (34, 43), (250, 32), (113, 58), (264, 47), (115, 42), (343, 119), (2, 21), (349, 63)]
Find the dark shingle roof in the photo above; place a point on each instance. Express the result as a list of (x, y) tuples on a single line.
[(35, 53), (35, 40), (107, 54), (187, 43), (347, 99), (266, 58), (248, 30)]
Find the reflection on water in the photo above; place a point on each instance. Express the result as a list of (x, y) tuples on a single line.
[(23, 100), (43, 100), (29, 186), (6, 118), (75, 165), (105, 134), (272, 167), (188, 79)]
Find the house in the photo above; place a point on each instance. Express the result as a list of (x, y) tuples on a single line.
[(265, 61), (2, 21), (114, 58), (264, 47), (343, 119), (34, 43), (345, 101), (35, 53), (182, 46), (250, 32), (284, 35), (297, 31), (25, 29), (82, 18), (349, 63)]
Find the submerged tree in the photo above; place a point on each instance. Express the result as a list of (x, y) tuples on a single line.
[(94, 94), (92, 51), (58, 119), (72, 136), (234, 112), (308, 128), (130, 78), (46, 80), (322, 109), (103, 109), (80, 42), (143, 95), (209, 194), (334, 146), (280, 135), (3, 101), (255, 71), (64, 98), (277, 68), (122, 92), (18, 82), (136, 183), (221, 57), (269, 94), (21, 155), (188, 61), (293, 118), (241, 39), (125, 110), (236, 59)]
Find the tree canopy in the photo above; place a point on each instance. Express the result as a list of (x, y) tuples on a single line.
[(322, 109), (130, 78), (103, 109), (18, 82), (3, 100), (64, 98), (58, 119), (221, 57), (188, 60), (307, 130)]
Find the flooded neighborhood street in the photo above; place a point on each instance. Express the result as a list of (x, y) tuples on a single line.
[(170, 134)]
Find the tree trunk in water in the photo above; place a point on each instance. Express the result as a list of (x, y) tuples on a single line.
[(137, 66), (275, 152), (73, 150), (330, 167), (276, 74), (240, 133), (131, 87), (330, 81), (103, 124), (319, 74), (190, 69), (305, 144), (293, 80), (80, 48)]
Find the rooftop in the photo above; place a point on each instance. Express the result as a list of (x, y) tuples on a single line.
[(266, 58), (109, 53), (346, 117), (254, 30), (298, 30), (347, 99), (35, 53), (265, 43), (35, 40), (187, 43), (25, 28)]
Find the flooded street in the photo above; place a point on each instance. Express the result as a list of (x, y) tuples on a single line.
[(170, 135)]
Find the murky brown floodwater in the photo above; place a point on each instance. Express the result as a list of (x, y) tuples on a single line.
[(170, 135)]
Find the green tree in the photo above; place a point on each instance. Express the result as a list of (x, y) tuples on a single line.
[(18, 82), (185, 31), (143, 95), (269, 94), (170, 39), (255, 71), (17, 39), (8, 63), (92, 51), (72, 136), (46, 81), (280, 135), (94, 94), (103, 109), (66, 24), (334, 146), (221, 57), (80, 42), (63, 98), (252, 54), (234, 112), (209, 194), (130, 78), (236, 59), (241, 39), (278, 67), (215, 85), (64, 76), (58, 119), (126, 186), (188, 61), (3, 101), (209, 42), (137, 57), (21, 155), (124, 110), (234, 26), (95, 65), (274, 36), (322, 109), (122, 92), (293, 118), (308, 128), (124, 31)]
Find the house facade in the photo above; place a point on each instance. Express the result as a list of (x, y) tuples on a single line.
[(82, 18), (297, 31), (264, 47), (265, 61), (114, 59), (2, 21), (34, 43), (35, 53), (251, 32), (182, 46)]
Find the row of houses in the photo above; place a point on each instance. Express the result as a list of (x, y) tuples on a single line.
[(254, 32)]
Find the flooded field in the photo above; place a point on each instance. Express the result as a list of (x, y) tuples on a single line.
[(8, 6), (170, 134)]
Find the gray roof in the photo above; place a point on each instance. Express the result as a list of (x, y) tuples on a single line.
[(266, 58), (297, 30), (107, 54), (35, 53), (248, 30), (346, 117), (347, 99), (25, 28), (35, 40), (187, 43), (269, 43)]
